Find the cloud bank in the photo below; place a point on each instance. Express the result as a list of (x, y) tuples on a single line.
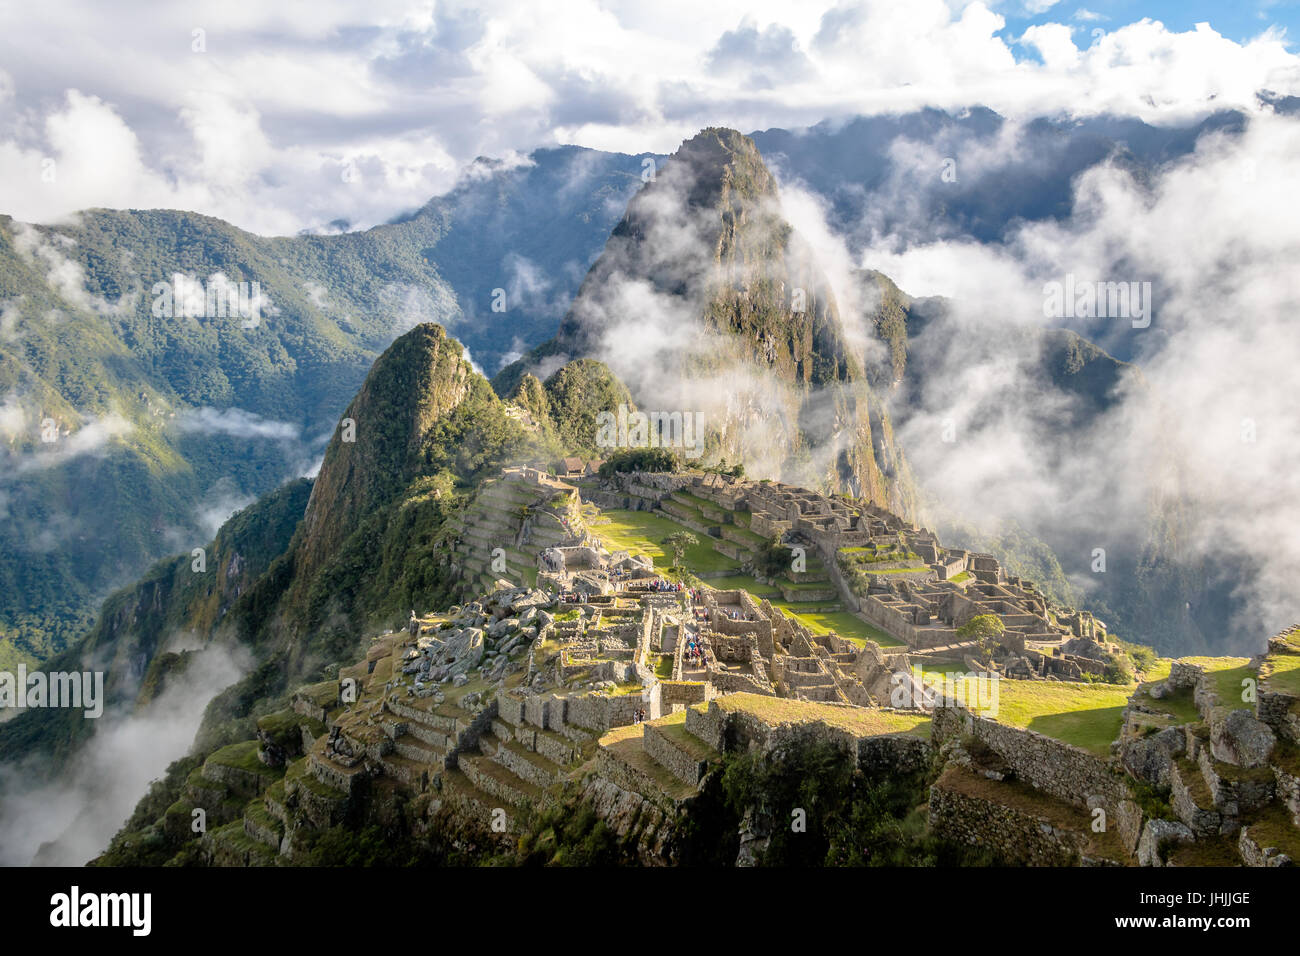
[(328, 116)]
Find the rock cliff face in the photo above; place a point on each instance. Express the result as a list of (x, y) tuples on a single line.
[(706, 300)]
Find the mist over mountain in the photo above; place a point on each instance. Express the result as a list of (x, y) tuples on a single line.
[(716, 284), (207, 415), (163, 417), (706, 299)]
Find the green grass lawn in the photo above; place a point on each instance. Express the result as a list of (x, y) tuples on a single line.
[(698, 503), (1159, 670), (1179, 705), (844, 623), (1226, 675), (1283, 672), (856, 720), (810, 585), (1086, 715), (753, 541), (642, 532)]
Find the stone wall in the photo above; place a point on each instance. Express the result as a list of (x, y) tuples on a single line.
[(897, 754), (733, 682), (1280, 712), (1288, 792), (737, 730), (1183, 676), (1058, 769), (676, 761), (847, 595), (1009, 833), (599, 713), (682, 693), (729, 648), (629, 779), (897, 624)]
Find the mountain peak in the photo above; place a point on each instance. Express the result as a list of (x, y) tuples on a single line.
[(718, 165), (419, 379)]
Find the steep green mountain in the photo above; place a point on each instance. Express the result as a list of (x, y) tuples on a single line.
[(135, 415), (299, 577), (125, 429), (297, 581), (706, 300)]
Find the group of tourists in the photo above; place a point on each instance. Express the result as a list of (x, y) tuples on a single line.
[(696, 655)]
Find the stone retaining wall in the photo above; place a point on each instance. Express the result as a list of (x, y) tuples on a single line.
[(1009, 833), (1280, 712), (597, 713), (1058, 769), (666, 753)]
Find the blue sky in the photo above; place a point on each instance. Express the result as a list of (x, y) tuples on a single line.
[(1236, 21)]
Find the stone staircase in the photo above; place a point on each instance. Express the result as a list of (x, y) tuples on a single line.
[(659, 759), (518, 516), (526, 751)]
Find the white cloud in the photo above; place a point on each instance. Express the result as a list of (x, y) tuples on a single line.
[(235, 421), (1208, 428), (290, 121), (68, 821), (52, 441)]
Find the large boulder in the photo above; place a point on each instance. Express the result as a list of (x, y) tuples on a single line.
[(464, 652), (499, 628), (1158, 836), (1085, 647), (1241, 739), (1151, 759), (534, 598)]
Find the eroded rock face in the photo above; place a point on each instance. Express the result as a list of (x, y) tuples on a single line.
[(1242, 740), (1151, 758), (1157, 834), (629, 814), (754, 840)]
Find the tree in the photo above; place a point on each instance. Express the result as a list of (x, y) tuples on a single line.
[(774, 558), (985, 628), (639, 459), (679, 541)]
